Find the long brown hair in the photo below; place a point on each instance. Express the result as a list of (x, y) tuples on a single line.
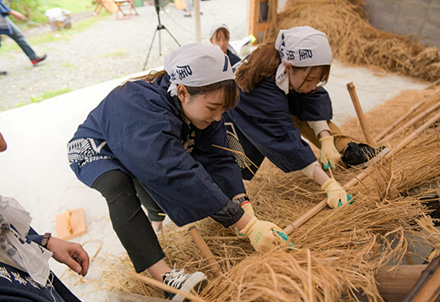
[(229, 87), (262, 63)]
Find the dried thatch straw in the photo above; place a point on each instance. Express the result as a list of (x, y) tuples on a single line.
[(355, 40), (336, 253)]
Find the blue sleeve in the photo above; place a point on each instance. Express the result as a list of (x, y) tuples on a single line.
[(33, 236), (315, 106), (144, 134), (4, 10), (218, 162), (264, 118)]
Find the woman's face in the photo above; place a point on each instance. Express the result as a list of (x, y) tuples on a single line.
[(220, 39), (303, 80), (203, 109)]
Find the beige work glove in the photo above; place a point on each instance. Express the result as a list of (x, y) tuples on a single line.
[(263, 235), (336, 195), (329, 155), (247, 207)]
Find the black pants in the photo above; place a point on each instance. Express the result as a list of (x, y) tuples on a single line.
[(124, 196)]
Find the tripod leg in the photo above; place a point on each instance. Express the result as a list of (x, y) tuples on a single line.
[(160, 44), (171, 35), (149, 50)]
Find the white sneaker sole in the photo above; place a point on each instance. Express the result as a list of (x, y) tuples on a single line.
[(197, 281)]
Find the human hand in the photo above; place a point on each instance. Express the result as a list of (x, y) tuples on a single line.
[(71, 254), (336, 195), (263, 235), (329, 155)]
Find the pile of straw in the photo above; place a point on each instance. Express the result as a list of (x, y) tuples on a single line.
[(354, 40), (335, 254)]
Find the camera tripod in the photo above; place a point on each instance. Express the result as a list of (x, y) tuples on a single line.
[(159, 27)]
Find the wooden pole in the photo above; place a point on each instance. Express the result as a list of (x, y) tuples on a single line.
[(358, 178), (197, 21), (401, 119), (413, 121), (360, 114), (201, 244), (396, 284), (166, 287)]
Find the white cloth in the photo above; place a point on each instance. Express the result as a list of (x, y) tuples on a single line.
[(197, 65), (310, 169), (216, 27), (25, 254), (301, 46), (319, 126)]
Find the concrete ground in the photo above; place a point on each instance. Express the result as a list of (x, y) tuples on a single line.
[(34, 169)]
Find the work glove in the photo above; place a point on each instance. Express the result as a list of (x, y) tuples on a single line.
[(263, 235), (247, 207), (329, 155), (336, 195)]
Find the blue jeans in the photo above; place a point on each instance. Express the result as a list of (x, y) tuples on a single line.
[(17, 36)]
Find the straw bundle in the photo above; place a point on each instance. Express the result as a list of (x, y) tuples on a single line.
[(354, 40), (335, 254)]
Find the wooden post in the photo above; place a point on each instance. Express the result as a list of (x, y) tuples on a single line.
[(197, 21), (395, 284), (360, 114), (201, 244)]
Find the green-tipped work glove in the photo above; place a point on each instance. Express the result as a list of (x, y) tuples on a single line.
[(263, 235), (329, 155), (336, 195)]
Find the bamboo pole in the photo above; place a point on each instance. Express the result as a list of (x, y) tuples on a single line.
[(201, 244), (431, 291), (357, 179), (166, 287), (401, 119), (413, 121), (360, 114)]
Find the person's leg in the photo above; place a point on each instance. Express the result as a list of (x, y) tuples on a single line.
[(155, 213), (18, 37), (188, 8), (129, 220)]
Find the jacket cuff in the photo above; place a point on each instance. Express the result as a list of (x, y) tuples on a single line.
[(229, 214)]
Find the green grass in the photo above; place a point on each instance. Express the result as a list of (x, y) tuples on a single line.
[(35, 9), (61, 35), (47, 95)]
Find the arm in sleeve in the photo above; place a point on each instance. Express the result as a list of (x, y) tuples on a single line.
[(144, 134), (314, 106), (218, 161), (268, 124)]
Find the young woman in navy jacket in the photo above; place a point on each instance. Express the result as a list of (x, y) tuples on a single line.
[(160, 141)]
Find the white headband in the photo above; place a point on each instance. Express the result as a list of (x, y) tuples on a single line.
[(301, 46), (197, 65), (216, 27)]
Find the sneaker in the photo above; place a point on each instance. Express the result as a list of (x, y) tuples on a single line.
[(39, 59), (184, 282), (3, 73), (357, 154)]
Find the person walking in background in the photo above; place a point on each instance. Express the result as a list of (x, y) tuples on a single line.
[(219, 35), (188, 8), (7, 27)]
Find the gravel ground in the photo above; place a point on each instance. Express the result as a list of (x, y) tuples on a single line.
[(109, 49)]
